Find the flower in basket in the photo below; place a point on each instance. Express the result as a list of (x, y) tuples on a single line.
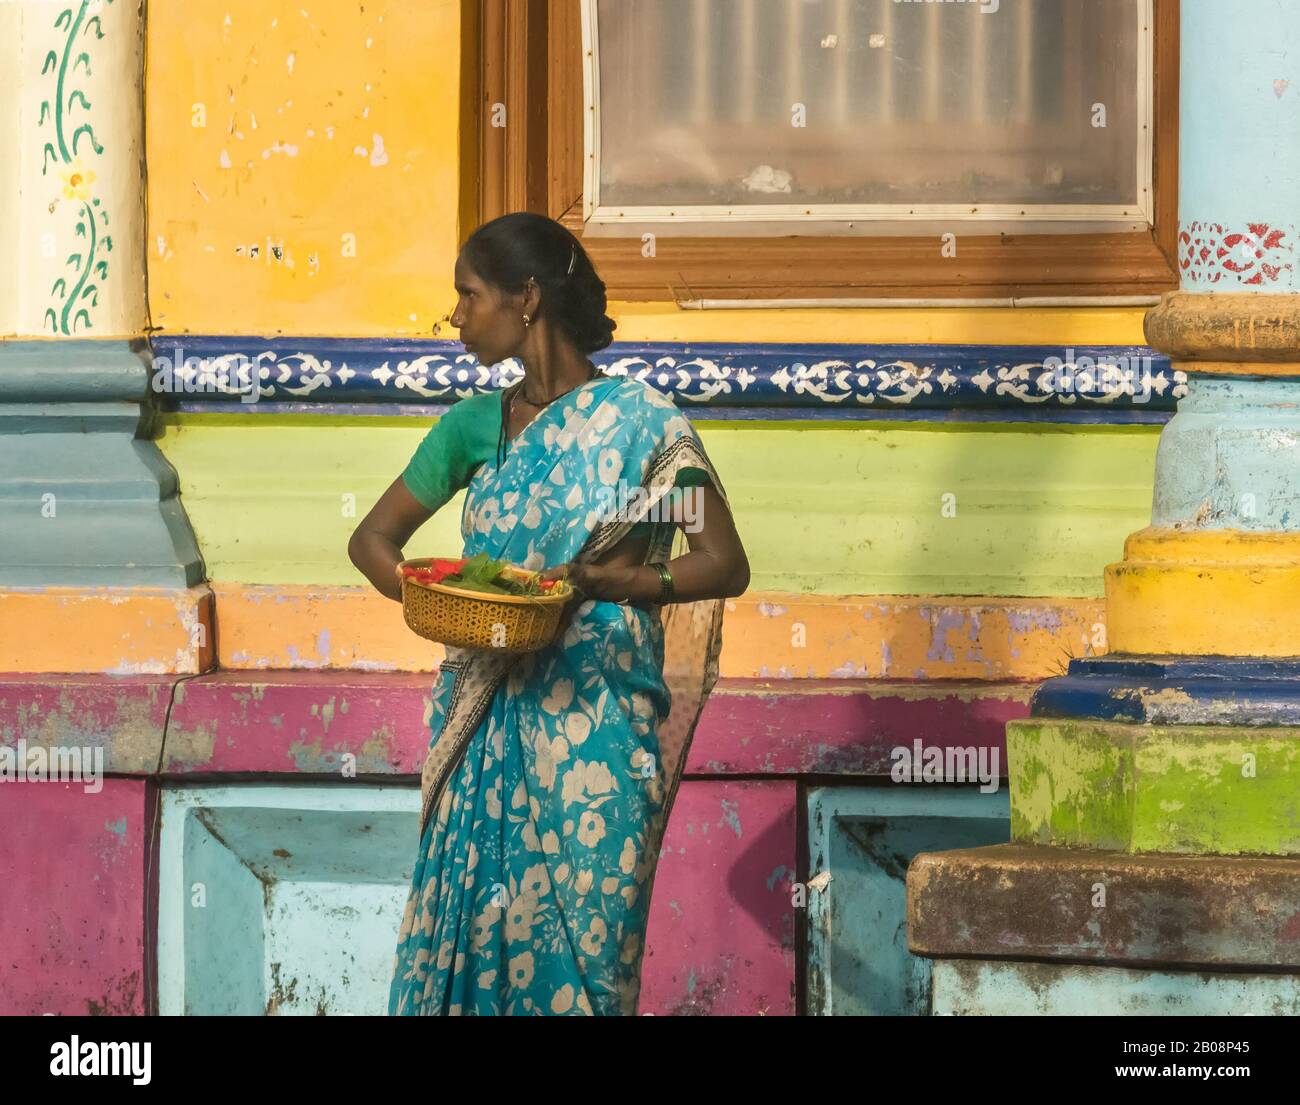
[(483, 575), (434, 572)]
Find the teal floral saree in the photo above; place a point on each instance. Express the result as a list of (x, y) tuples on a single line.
[(551, 774)]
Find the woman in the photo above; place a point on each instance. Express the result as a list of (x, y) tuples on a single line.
[(551, 774)]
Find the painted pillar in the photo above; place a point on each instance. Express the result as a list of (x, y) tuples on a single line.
[(86, 502), (1155, 792), (71, 211)]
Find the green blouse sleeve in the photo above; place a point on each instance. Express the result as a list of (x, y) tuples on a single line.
[(686, 477), (442, 464)]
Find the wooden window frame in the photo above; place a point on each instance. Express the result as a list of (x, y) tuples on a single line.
[(527, 55)]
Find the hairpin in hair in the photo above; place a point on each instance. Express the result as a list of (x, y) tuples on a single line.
[(573, 259)]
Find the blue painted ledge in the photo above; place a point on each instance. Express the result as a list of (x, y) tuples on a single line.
[(1212, 690), (726, 380)]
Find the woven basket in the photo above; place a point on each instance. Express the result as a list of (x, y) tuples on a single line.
[(466, 619)]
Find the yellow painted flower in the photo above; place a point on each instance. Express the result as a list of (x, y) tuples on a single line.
[(529, 836), (593, 940), (591, 828), (519, 918), (77, 181), (521, 969), (481, 929), (536, 881)]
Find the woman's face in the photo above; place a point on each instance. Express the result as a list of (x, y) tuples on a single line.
[(491, 325)]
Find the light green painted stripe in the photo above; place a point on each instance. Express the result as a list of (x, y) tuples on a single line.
[(823, 508), (1198, 789)]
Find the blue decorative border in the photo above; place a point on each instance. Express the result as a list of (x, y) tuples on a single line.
[(1093, 383)]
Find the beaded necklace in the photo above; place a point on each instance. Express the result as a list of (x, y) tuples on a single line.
[(508, 406)]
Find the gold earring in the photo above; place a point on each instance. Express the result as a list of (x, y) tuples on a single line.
[(526, 320)]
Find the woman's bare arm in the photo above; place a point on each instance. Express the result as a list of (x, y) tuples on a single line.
[(376, 544), (715, 567)]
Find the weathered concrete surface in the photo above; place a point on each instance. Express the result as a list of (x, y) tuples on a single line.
[(113, 630), (1240, 326), (861, 840), (721, 935), (1227, 459), (76, 907), (304, 888), (766, 634), (979, 988), (305, 722), (297, 722), (1054, 903), (282, 900), (753, 726), (1212, 592), (121, 716), (722, 907), (1175, 690), (304, 626), (1147, 788)]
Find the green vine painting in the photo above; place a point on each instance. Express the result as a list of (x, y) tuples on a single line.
[(77, 291)]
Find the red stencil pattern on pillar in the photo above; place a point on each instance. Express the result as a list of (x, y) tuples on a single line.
[(1255, 256)]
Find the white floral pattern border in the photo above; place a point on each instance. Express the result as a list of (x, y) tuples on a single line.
[(828, 377)]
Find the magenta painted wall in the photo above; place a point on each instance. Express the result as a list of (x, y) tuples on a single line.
[(721, 937), (75, 896)]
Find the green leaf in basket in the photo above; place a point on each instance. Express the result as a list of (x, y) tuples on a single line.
[(479, 585), (479, 568), (483, 574)]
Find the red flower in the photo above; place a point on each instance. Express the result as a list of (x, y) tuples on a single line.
[(436, 570)]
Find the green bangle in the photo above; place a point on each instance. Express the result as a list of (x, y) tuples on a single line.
[(665, 583)]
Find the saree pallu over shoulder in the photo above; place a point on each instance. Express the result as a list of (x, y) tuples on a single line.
[(550, 776)]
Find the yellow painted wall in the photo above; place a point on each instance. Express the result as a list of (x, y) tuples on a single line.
[(942, 326), (319, 119), (291, 96), (262, 119)]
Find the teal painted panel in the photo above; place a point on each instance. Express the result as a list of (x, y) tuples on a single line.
[(997, 988), (865, 838), (282, 899), (84, 501)]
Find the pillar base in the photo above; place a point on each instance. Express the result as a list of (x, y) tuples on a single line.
[(84, 502), (1205, 593), (1049, 931), (1189, 789), (1174, 690)]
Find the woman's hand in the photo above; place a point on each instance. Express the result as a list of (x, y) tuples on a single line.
[(611, 582)]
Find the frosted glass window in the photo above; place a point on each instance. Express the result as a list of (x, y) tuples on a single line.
[(902, 103)]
